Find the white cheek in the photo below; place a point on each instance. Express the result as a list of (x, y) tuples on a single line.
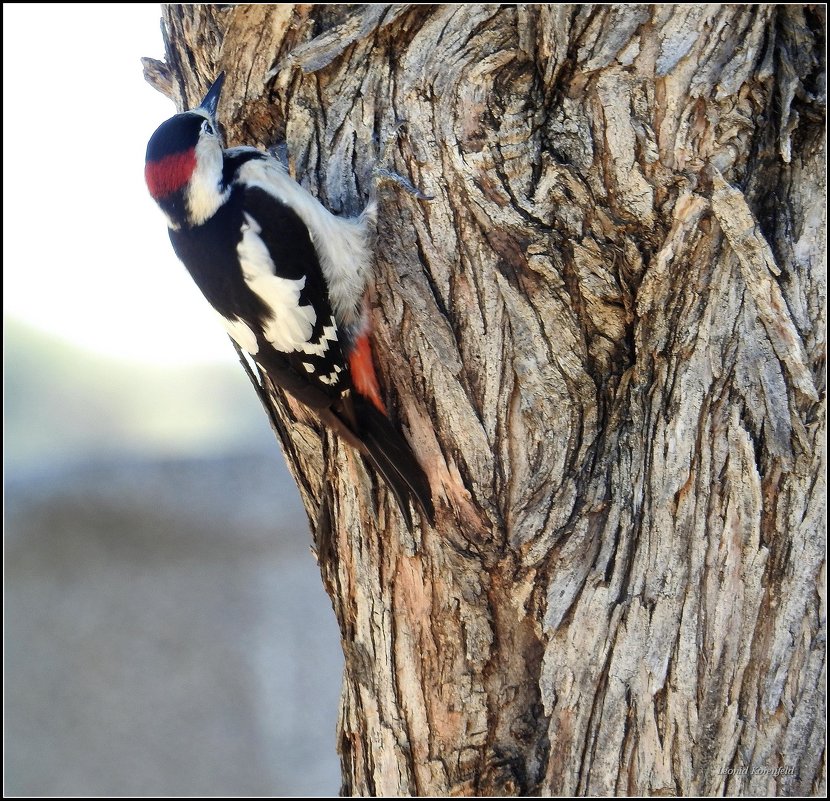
[(205, 193)]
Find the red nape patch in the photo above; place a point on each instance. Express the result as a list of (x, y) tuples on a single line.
[(170, 173), (363, 372)]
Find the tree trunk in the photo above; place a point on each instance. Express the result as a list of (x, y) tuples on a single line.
[(605, 340)]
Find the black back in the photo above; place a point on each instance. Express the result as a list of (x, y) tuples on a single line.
[(209, 251)]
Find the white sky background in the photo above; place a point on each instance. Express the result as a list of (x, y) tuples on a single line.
[(85, 250)]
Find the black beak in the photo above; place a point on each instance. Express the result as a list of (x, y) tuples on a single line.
[(211, 100)]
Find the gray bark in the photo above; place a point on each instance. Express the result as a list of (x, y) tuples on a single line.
[(605, 340)]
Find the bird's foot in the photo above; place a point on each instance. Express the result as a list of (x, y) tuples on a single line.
[(383, 175)]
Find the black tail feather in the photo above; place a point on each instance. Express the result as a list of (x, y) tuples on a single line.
[(394, 460), (393, 481)]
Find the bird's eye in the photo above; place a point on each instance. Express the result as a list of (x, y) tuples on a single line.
[(207, 128)]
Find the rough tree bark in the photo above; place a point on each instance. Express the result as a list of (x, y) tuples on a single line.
[(604, 338)]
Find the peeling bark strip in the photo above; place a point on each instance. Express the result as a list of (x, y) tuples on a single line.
[(605, 341)]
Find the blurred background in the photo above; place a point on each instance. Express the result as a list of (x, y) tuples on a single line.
[(165, 627)]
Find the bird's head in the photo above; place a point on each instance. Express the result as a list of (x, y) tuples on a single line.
[(183, 168)]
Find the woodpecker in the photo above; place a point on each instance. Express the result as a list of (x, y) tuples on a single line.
[(287, 278)]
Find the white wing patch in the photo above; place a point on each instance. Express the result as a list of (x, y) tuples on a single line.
[(290, 325), (241, 333), (334, 376), (319, 348), (342, 244)]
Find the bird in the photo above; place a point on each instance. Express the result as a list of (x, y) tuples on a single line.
[(288, 280)]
